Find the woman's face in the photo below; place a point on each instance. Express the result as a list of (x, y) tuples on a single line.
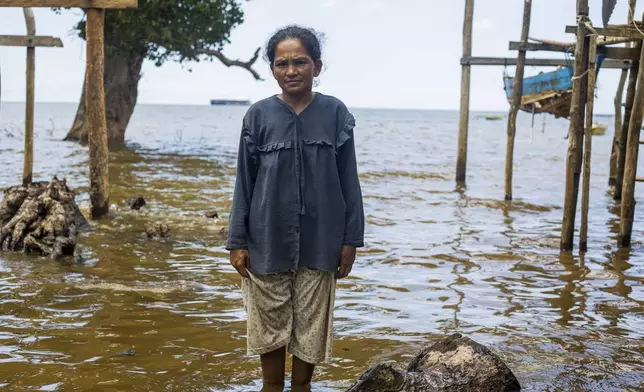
[(294, 69)]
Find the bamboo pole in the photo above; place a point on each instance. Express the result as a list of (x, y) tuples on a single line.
[(630, 167), (575, 130), (517, 91), (95, 103), (630, 96), (619, 97), (588, 143), (464, 114), (27, 171)]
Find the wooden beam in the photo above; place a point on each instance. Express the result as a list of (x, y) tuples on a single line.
[(574, 155), (538, 46), (588, 143), (630, 168), (70, 3), (611, 53), (30, 41), (464, 113), (96, 121), (517, 92), (503, 61), (625, 31)]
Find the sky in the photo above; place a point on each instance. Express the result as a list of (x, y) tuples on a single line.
[(401, 54)]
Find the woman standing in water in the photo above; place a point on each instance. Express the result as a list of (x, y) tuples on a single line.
[(297, 215)]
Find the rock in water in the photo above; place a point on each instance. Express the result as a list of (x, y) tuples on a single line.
[(157, 231), (40, 218), (212, 214), (453, 364), (136, 202)]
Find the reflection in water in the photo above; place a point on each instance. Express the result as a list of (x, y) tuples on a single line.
[(145, 315)]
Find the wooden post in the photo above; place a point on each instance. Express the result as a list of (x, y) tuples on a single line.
[(630, 167), (517, 92), (464, 114), (95, 101), (619, 96), (575, 130), (630, 96), (27, 171), (590, 100)]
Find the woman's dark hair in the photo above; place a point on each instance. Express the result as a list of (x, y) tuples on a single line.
[(309, 38)]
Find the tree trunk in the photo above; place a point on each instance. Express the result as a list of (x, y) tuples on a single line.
[(122, 75)]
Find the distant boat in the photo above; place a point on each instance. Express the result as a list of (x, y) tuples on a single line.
[(229, 102), (493, 116), (599, 129)]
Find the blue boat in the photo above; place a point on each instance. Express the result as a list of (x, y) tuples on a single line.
[(547, 92)]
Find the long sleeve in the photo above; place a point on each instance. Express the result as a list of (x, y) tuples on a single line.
[(350, 182), (242, 196)]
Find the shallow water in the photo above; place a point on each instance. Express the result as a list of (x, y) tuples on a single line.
[(438, 260)]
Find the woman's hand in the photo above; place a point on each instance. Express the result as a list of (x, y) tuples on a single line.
[(239, 258), (347, 257)]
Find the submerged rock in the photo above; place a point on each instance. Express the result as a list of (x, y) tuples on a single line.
[(41, 218), (136, 202), (455, 363), (157, 231), (213, 214)]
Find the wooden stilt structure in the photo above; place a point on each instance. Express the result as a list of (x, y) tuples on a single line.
[(575, 100), (576, 129), (98, 171), (631, 158), (464, 114), (517, 92), (619, 97), (588, 142)]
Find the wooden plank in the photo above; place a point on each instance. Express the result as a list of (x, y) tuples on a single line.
[(503, 61), (517, 92), (588, 143), (630, 168), (71, 3), (625, 31), (95, 106), (464, 113), (30, 41), (575, 131), (639, 179), (27, 172)]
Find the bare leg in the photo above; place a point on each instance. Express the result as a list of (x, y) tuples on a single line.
[(302, 375), (273, 367)]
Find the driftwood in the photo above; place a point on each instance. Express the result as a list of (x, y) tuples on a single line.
[(455, 363), (40, 218)]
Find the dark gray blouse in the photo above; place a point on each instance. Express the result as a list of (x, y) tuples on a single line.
[(297, 196)]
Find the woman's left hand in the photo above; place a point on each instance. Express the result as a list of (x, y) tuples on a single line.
[(347, 257)]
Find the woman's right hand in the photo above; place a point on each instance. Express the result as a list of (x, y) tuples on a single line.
[(239, 258)]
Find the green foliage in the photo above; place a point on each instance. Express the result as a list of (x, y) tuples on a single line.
[(170, 29)]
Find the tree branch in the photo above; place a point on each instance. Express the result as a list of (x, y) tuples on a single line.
[(247, 65)]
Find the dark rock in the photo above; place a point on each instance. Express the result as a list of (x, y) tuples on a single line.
[(156, 231), (213, 214), (455, 363), (136, 202), (40, 218)]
